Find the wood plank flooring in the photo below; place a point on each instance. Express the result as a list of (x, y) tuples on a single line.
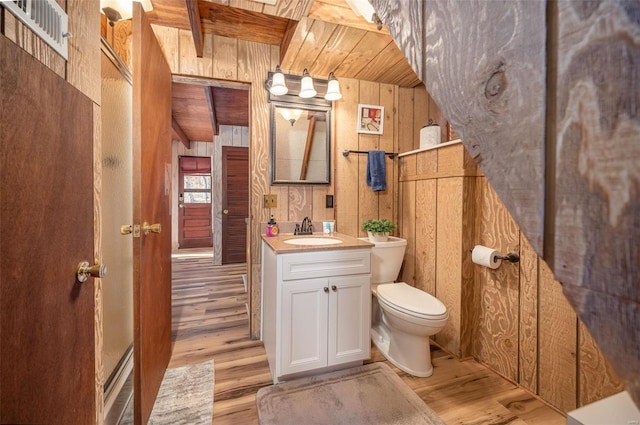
[(210, 321)]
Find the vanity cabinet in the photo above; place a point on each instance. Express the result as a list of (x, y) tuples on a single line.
[(316, 310)]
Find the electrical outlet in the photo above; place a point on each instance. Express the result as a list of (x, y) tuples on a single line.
[(328, 201), (270, 200)]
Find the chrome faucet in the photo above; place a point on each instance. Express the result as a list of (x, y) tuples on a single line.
[(306, 228)]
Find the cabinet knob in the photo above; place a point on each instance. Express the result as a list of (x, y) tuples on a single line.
[(334, 288), (326, 289)]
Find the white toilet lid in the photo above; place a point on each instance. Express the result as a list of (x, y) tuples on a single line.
[(411, 300)]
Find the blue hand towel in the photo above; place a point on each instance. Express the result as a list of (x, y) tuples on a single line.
[(376, 171)]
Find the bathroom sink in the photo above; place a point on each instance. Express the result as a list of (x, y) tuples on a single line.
[(313, 241)]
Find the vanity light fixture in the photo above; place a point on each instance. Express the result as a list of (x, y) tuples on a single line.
[(333, 88), (306, 86), (303, 86), (278, 87)]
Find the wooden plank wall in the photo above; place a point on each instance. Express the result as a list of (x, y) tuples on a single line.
[(554, 126), (82, 70), (514, 319)]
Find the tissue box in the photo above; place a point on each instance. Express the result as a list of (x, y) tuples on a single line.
[(429, 136)]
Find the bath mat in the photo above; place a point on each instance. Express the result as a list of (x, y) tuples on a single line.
[(370, 394), (185, 397)]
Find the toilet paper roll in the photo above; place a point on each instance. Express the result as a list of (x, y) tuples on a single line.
[(429, 136), (485, 256)]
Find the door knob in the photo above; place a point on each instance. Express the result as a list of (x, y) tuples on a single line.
[(225, 211), (326, 289), (334, 288), (85, 271), (180, 205), (148, 228)]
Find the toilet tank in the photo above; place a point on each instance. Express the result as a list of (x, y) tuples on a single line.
[(386, 259)]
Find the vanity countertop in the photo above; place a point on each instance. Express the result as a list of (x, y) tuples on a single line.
[(277, 244)]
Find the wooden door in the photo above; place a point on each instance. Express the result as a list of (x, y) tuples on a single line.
[(49, 350), (194, 202), (151, 204), (235, 203)]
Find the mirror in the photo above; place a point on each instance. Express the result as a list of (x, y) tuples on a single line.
[(300, 143)]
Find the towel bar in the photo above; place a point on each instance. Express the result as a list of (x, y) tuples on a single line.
[(346, 153)]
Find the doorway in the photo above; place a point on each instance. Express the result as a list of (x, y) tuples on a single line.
[(194, 202)]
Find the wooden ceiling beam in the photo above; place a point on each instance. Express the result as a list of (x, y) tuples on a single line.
[(196, 26), (208, 91), (182, 136), (242, 24)]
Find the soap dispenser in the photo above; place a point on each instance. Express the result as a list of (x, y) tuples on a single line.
[(272, 227)]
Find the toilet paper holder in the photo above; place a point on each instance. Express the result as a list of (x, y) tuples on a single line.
[(511, 257)]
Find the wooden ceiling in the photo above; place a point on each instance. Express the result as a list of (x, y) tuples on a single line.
[(320, 35)]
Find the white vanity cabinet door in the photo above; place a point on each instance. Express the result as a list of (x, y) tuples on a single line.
[(349, 319), (303, 325)]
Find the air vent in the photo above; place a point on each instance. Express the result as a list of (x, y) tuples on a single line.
[(45, 18)]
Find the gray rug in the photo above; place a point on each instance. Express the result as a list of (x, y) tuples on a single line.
[(370, 394), (185, 397)]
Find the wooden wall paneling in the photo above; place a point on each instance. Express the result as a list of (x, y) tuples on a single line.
[(190, 64), (449, 259), (528, 323), (346, 198), (597, 179), (288, 57), (496, 340), (368, 199), (225, 58), (320, 212), (292, 9), (385, 59), (281, 212), (300, 203), (246, 4), (17, 32), (472, 195), (596, 378), (405, 119), (427, 162), (420, 114), (451, 159), (492, 95), (387, 142), (359, 57), (339, 45), (557, 343), (254, 62), (408, 230), (425, 240), (319, 33), (121, 41), (169, 40), (83, 63)]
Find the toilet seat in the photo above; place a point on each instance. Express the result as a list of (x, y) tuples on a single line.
[(412, 301)]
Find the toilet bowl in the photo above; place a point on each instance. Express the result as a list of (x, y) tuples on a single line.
[(402, 317)]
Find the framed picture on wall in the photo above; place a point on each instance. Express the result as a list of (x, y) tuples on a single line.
[(370, 119)]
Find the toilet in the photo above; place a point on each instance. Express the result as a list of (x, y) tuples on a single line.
[(402, 317)]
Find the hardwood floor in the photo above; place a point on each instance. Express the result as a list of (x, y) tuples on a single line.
[(210, 321)]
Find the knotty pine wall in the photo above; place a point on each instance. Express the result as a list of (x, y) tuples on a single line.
[(515, 318), (81, 70)]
